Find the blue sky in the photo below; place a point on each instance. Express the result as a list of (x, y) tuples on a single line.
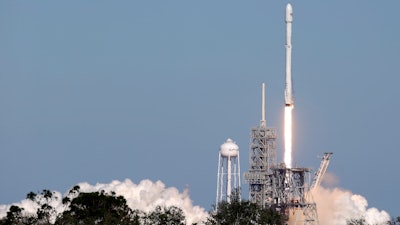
[(97, 91)]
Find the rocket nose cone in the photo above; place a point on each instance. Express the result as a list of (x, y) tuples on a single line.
[(289, 13), (289, 8)]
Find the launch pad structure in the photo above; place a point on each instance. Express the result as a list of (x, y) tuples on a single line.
[(279, 186), (273, 185)]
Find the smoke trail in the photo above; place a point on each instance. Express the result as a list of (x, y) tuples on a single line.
[(288, 136), (335, 206), (144, 196)]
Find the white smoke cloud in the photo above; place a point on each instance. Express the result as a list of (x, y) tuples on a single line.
[(31, 207), (147, 195), (335, 206), (144, 196)]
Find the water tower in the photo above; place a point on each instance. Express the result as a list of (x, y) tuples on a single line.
[(228, 177)]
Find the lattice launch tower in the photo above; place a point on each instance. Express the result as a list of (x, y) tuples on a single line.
[(262, 160)]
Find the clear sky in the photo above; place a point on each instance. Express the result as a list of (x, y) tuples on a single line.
[(102, 90)]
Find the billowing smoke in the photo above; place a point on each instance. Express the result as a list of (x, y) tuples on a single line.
[(30, 207), (335, 206), (144, 196), (147, 195)]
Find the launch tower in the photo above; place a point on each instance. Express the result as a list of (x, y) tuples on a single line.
[(262, 160)]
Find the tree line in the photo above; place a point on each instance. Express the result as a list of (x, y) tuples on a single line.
[(102, 208), (89, 208)]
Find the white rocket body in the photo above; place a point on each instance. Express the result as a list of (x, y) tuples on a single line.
[(288, 87)]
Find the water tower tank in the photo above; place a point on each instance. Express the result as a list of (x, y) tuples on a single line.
[(229, 149)]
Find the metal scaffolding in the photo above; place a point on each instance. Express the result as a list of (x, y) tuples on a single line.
[(286, 190), (262, 160), (291, 195)]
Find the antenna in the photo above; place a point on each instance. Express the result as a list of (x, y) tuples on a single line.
[(263, 121)]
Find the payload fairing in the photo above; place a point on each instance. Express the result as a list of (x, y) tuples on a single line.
[(288, 87)]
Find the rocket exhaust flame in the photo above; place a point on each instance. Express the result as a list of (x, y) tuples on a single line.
[(288, 136)]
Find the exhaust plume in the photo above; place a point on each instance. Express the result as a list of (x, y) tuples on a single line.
[(336, 206), (288, 136), (144, 196)]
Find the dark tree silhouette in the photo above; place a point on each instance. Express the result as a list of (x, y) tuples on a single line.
[(243, 213), (97, 208), (165, 216)]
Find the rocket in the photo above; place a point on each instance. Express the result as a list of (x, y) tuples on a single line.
[(288, 87)]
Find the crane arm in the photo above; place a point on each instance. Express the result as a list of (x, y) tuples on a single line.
[(319, 175)]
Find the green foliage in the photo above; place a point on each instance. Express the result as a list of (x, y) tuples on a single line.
[(166, 215), (359, 221), (42, 200), (243, 213), (362, 221), (97, 208), (395, 221), (15, 217), (108, 209), (45, 211)]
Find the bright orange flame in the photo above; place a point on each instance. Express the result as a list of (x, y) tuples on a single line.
[(288, 136)]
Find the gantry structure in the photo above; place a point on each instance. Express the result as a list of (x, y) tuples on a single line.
[(273, 185), (262, 160)]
